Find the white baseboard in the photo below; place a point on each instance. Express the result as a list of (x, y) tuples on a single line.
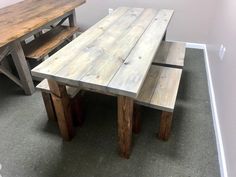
[(219, 142)]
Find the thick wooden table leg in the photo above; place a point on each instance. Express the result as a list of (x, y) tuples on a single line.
[(49, 106), (22, 68), (137, 119), (165, 125), (62, 107), (125, 115)]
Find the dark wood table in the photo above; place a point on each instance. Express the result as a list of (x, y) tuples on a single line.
[(24, 19)]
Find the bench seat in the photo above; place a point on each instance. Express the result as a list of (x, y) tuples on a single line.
[(170, 54), (160, 88), (71, 91), (47, 42)]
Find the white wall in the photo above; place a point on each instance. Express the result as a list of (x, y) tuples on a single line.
[(4, 3), (190, 22), (223, 31)]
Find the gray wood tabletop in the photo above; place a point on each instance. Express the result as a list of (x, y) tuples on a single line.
[(112, 56)]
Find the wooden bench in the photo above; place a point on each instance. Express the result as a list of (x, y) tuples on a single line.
[(159, 91), (45, 43), (160, 88), (170, 54), (74, 102)]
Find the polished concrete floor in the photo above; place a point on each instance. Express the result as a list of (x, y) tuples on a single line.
[(30, 145)]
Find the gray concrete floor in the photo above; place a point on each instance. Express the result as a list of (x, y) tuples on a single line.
[(30, 145)]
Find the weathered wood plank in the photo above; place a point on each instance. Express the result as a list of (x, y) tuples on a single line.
[(98, 50), (43, 86), (125, 115), (76, 45), (28, 16), (160, 88), (106, 65), (129, 79), (43, 45), (170, 54)]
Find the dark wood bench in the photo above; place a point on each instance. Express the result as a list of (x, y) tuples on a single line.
[(47, 42)]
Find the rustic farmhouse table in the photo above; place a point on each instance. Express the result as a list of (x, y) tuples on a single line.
[(24, 19), (112, 57)]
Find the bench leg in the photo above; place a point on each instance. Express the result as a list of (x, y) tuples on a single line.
[(47, 99), (137, 119), (125, 115), (61, 102), (165, 125), (77, 111)]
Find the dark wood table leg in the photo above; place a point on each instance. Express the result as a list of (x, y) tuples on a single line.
[(125, 121), (62, 107)]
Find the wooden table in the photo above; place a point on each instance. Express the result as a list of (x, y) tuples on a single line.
[(26, 18), (112, 57)]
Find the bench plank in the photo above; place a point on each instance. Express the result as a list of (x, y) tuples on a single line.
[(43, 86), (46, 43), (160, 88), (170, 54), (129, 78)]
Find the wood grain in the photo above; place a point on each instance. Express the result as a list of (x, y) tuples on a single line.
[(22, 68), (62, 107), (43, 86), (27, 16), (165, 125), (56, 62), (170, 54), (160, 88), (47, 42), (130, 76), (125, 115), (47, 99), (95, 61)]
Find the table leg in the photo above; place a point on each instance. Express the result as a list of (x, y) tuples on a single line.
[(73, 21), (62, 107), (22, 68), (125, 116)]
